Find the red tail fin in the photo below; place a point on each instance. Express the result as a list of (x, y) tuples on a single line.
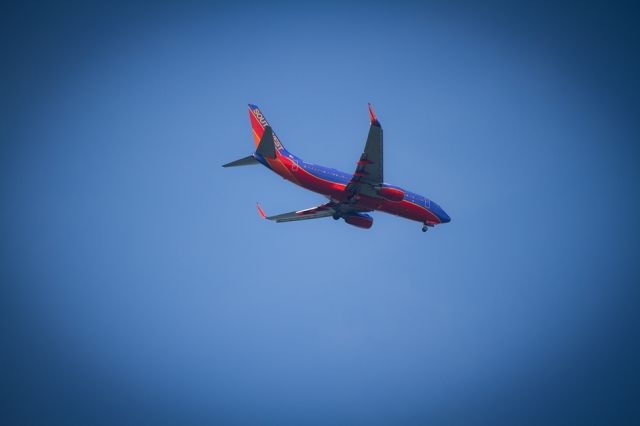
[(258, 123)]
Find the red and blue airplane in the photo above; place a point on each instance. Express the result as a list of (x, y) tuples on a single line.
[(350, 196)]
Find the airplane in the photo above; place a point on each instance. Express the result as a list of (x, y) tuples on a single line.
[(351, 195)]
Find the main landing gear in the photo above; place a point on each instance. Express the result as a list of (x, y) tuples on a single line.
[(426, 227)]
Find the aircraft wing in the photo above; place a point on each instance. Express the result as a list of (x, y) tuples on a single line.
[(324, 210), (369, 172)]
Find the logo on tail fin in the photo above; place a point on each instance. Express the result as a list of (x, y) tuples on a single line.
[(260, 117), (259, 123)]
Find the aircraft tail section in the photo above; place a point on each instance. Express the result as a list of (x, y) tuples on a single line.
[(258, 124), (246, 161), (268, 147), (266, 151)]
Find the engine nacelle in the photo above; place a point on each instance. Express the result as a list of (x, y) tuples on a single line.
[(361, 220), (391, 194)]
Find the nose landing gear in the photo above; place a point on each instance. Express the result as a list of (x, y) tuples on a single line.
[(426, 227)]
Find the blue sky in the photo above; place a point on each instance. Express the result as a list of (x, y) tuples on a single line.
[(141, 286)]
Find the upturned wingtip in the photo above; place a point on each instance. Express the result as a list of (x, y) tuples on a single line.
[(264, 216), (372, 115)]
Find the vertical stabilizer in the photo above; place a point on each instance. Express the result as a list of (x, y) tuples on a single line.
[(258, 124)]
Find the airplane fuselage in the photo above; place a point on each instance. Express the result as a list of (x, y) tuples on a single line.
[(351, 195), (332, 183)]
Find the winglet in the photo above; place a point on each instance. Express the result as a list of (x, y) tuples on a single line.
[(372, 114), (264, 216)]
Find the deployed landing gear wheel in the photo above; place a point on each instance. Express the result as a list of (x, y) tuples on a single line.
[(425, 228), (336, 216)]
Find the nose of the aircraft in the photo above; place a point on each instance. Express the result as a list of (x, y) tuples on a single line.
[(442, 215)]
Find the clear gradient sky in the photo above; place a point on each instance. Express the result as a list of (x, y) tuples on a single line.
[(140, 286)]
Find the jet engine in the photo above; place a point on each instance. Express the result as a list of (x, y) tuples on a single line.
[(391, 194), (361, 220)]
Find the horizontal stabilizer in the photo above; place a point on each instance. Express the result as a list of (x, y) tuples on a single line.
[(267, 147), (246, 161)]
